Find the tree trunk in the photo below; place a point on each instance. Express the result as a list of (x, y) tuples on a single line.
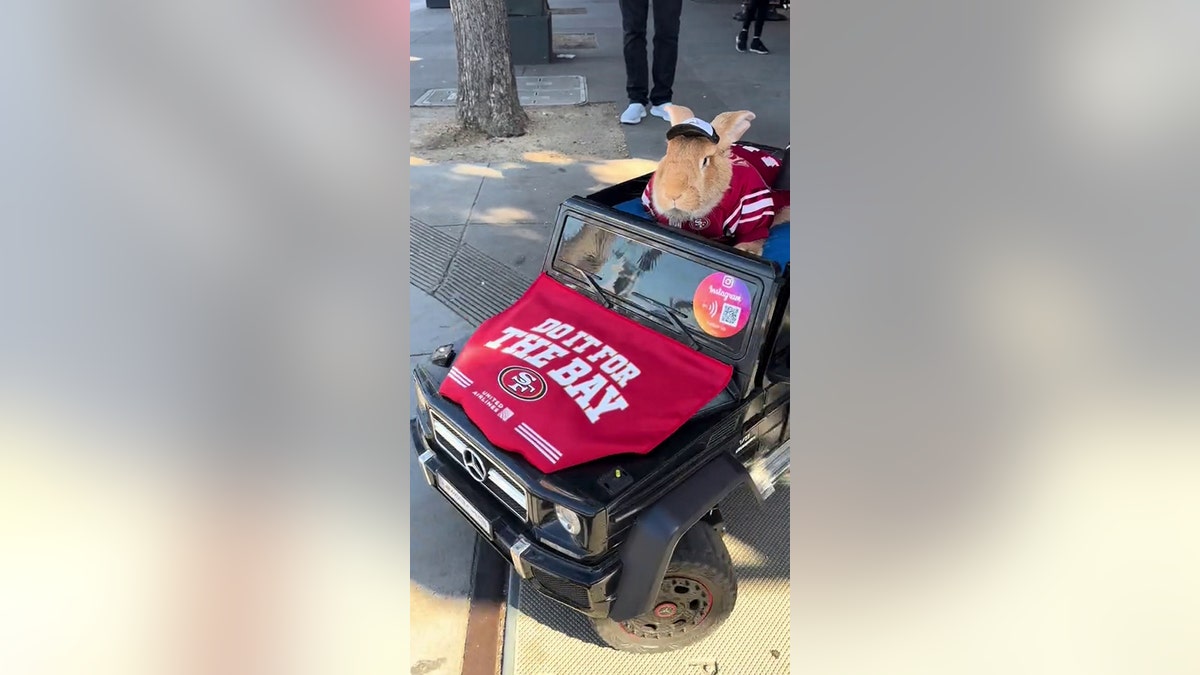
[(487, 86)]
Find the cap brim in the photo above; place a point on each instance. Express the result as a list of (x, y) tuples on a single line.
[(691, 131)]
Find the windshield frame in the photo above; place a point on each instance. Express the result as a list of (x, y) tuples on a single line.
[(763, 280)]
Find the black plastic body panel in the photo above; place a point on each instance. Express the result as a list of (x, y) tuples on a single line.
[(648, 550)]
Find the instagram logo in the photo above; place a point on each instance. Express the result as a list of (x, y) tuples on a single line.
[(721, 305)]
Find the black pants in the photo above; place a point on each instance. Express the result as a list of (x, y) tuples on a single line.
[(666, 49), (756, 11)]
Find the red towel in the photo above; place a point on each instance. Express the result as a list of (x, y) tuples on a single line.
[(562, 381)]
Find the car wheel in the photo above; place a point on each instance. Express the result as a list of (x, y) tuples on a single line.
[(697, 594)]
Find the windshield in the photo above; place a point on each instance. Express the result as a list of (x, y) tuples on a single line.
[(713, 306)]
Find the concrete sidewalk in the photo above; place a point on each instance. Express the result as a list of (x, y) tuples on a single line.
[(468, 263)]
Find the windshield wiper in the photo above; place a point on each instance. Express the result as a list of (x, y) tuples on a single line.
[(729, 386), (604, 297), (592, 281), (671, 315)]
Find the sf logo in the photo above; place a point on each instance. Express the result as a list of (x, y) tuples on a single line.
[(522, 383)]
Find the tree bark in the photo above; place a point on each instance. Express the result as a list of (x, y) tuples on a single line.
[(487, 86)]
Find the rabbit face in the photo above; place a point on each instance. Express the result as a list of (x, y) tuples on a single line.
[(696, 172)]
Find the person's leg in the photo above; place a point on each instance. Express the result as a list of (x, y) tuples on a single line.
[(666, 50), (761, 8), (633, 21), (755, 12), (760, 17), (743, 37)]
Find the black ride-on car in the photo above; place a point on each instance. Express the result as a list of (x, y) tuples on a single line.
[(632, 541)]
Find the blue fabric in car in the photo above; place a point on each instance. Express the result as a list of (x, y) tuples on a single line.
[(634, 206), (778, 247)]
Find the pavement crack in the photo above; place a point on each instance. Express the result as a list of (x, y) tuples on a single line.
[(445, 276), (471, 211)]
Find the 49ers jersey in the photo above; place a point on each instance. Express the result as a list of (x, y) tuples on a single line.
[(748, 207)]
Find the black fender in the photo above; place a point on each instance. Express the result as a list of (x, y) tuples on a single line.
[(651, 542)]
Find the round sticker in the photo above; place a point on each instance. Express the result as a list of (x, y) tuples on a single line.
[(721, 305), (522, 383)]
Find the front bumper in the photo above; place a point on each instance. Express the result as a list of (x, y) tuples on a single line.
[(588, 589)]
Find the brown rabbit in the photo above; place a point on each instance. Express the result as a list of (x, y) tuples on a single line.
[(715, 188)]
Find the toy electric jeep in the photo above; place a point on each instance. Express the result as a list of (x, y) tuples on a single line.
[(634, 541)]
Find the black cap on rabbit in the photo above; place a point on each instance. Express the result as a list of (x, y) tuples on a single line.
[(694, 127)]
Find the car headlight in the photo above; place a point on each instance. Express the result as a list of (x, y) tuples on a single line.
[(569, 520)]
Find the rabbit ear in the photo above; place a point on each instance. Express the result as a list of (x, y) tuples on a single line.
[(731, 126), (679, 113)]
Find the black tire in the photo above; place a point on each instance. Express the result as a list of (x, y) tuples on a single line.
[(699, 590)]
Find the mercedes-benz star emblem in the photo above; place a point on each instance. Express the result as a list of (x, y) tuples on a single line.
[(475, 466)]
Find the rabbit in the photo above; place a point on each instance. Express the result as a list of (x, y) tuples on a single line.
[(707, 184)]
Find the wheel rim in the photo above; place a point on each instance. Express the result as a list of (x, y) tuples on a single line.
[(681, 607)]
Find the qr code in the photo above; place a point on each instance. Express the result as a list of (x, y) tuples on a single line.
[(730, 314), (505, 414)]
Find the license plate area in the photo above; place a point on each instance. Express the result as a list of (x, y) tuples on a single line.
[(461, 502)]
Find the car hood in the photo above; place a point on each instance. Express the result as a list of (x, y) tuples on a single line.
[(588, 486)]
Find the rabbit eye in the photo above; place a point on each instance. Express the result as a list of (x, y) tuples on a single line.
[(704, 162)]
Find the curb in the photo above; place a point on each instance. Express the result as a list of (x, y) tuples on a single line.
[(485, 617)]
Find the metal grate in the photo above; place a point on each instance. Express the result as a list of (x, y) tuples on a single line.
[(470, 283), (564, 590), (429, 255), (575, 41), (532, 90), (477, 287)]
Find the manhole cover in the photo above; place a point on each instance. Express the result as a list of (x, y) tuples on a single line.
[(438, 97), (568, 10), (575, 41), (532, 91)]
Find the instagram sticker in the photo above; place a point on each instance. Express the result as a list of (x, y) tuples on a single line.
[(721, 305)]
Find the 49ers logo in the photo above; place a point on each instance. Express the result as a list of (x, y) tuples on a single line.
[(522, 383)]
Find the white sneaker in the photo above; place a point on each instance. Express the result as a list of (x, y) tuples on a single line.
[(661, 111), (633, 114)]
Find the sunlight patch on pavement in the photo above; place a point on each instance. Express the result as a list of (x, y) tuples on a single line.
[(476, 171), (443, 622), (504, 215), (549, 157), (744, 554), (613, 171), (413, 160)]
